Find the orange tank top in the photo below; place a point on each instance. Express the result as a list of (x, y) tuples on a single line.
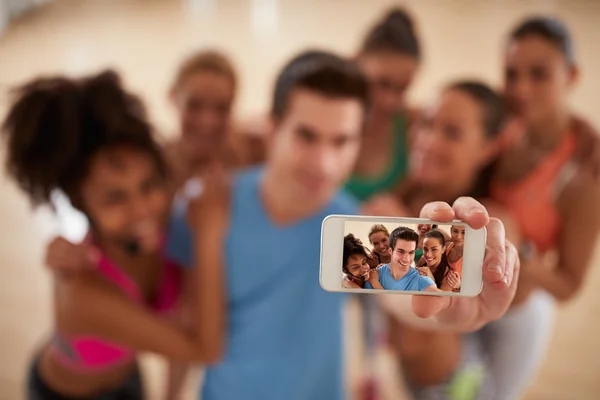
[(531, 200), (456, 265)]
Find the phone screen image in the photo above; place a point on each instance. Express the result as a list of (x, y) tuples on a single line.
[(402, 257)]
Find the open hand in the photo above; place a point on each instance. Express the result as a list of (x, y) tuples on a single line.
[(500, 274), (425, 271), (373, 276)]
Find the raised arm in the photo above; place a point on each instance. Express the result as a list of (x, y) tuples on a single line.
[(578, 206), (500, 276), (90, 307), (87, 305), (208, 217)]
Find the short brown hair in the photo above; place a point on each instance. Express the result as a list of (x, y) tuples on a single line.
[(322, 72), (404, 233), (378, 228), (205, 61)]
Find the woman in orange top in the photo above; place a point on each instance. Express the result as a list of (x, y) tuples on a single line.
[(542, 180)]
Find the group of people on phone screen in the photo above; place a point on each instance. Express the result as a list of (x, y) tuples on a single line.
[(405, 260)]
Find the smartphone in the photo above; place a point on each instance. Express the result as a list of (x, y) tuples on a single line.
[(413, 256)]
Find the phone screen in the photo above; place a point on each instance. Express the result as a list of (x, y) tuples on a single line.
[(405, 257)]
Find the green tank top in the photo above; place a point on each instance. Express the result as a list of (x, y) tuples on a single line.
[(418, 255), (363, 188)]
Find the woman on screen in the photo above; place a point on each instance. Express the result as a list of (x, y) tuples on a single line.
[(454, 253), (355, 265), (422, 229), (435, 249), (379, 237)]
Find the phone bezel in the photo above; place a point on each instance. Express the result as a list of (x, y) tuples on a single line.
[(332, 248)]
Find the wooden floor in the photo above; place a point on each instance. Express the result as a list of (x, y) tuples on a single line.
[(145, 39)]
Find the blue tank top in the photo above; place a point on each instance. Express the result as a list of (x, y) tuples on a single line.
[(284, 331)]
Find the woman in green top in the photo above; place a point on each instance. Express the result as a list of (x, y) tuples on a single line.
[(389, 56)]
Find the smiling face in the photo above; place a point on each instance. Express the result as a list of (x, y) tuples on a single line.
[(538, 79), (403, 255), (423, 228), (452, 128), (125, 197), (380, 242), (458, 235), (358, 267), (433, 250), (204, 102)]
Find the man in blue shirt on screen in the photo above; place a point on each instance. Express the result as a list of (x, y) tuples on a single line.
[(283, 332), (399, 273)]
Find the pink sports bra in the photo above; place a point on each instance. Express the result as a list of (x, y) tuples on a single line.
[(94, 353)]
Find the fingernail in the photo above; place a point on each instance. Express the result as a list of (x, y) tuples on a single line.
[(440, 208), (476, 211), (494, 268)]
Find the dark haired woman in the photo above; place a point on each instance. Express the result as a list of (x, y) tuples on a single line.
[(422, 229), (389, 56), (436, 262), (466, 120), (355, 265), (544, 180), (90, 139)]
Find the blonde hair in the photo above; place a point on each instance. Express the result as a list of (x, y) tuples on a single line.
[(205, 61), (378, 228)]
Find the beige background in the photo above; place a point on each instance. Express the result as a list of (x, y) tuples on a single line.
[(144, 39)]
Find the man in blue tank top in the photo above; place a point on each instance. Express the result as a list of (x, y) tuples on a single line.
[(284, 338), (399, 273), (283, 332)]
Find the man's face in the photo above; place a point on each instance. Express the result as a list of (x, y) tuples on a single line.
[(314, 146), (403, 254)]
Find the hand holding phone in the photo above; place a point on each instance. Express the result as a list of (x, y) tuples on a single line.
[(401, 249), (498, 268), (500, 272)]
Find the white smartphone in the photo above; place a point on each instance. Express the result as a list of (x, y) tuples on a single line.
[(362, 254)]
